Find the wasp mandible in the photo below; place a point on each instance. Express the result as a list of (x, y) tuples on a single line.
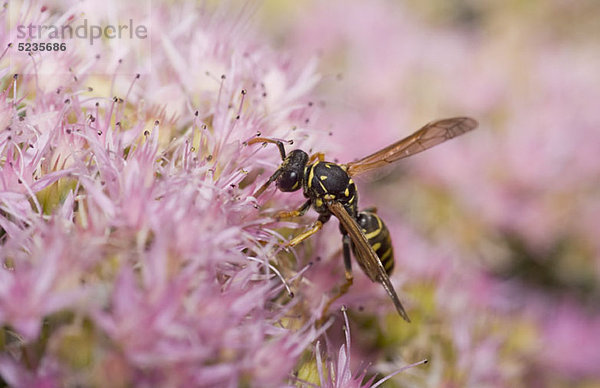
[(330, 190)]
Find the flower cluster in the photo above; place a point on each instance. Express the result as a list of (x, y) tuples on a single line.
[(133, 252)]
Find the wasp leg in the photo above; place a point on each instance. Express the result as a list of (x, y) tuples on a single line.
[(301, 237), (262, 188), (295, 213), (349, 279), (347, 261), (318, 156)]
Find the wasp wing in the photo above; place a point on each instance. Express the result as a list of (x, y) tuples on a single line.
[(365, 255), (430, 135)]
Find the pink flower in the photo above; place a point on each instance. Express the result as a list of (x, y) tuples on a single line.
[(568, 343), (335, 371), (41, 283), (131, 245)]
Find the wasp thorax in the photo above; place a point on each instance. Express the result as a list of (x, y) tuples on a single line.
[(292, 171)]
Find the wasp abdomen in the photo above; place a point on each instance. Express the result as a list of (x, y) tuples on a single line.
[(378, 237)]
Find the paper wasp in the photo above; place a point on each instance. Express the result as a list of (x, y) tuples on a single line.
[(330, 190)]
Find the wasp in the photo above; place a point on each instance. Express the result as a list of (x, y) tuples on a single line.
[(330, 190)]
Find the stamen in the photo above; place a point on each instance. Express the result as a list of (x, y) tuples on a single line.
[(276, 271), (386, 378), (5, 50)]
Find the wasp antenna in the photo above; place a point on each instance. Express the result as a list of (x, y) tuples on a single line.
[(277, 142)]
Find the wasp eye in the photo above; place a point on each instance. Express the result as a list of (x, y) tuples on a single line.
[(288, 181)]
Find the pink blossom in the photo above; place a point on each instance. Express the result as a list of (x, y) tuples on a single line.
[(127, 223), (568, 344)]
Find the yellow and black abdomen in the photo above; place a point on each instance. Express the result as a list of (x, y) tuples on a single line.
[(379, 238)]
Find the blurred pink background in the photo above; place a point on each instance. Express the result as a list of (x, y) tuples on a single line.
[(495, 232)]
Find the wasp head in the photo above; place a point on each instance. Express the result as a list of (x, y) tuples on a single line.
[(292, 171)]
